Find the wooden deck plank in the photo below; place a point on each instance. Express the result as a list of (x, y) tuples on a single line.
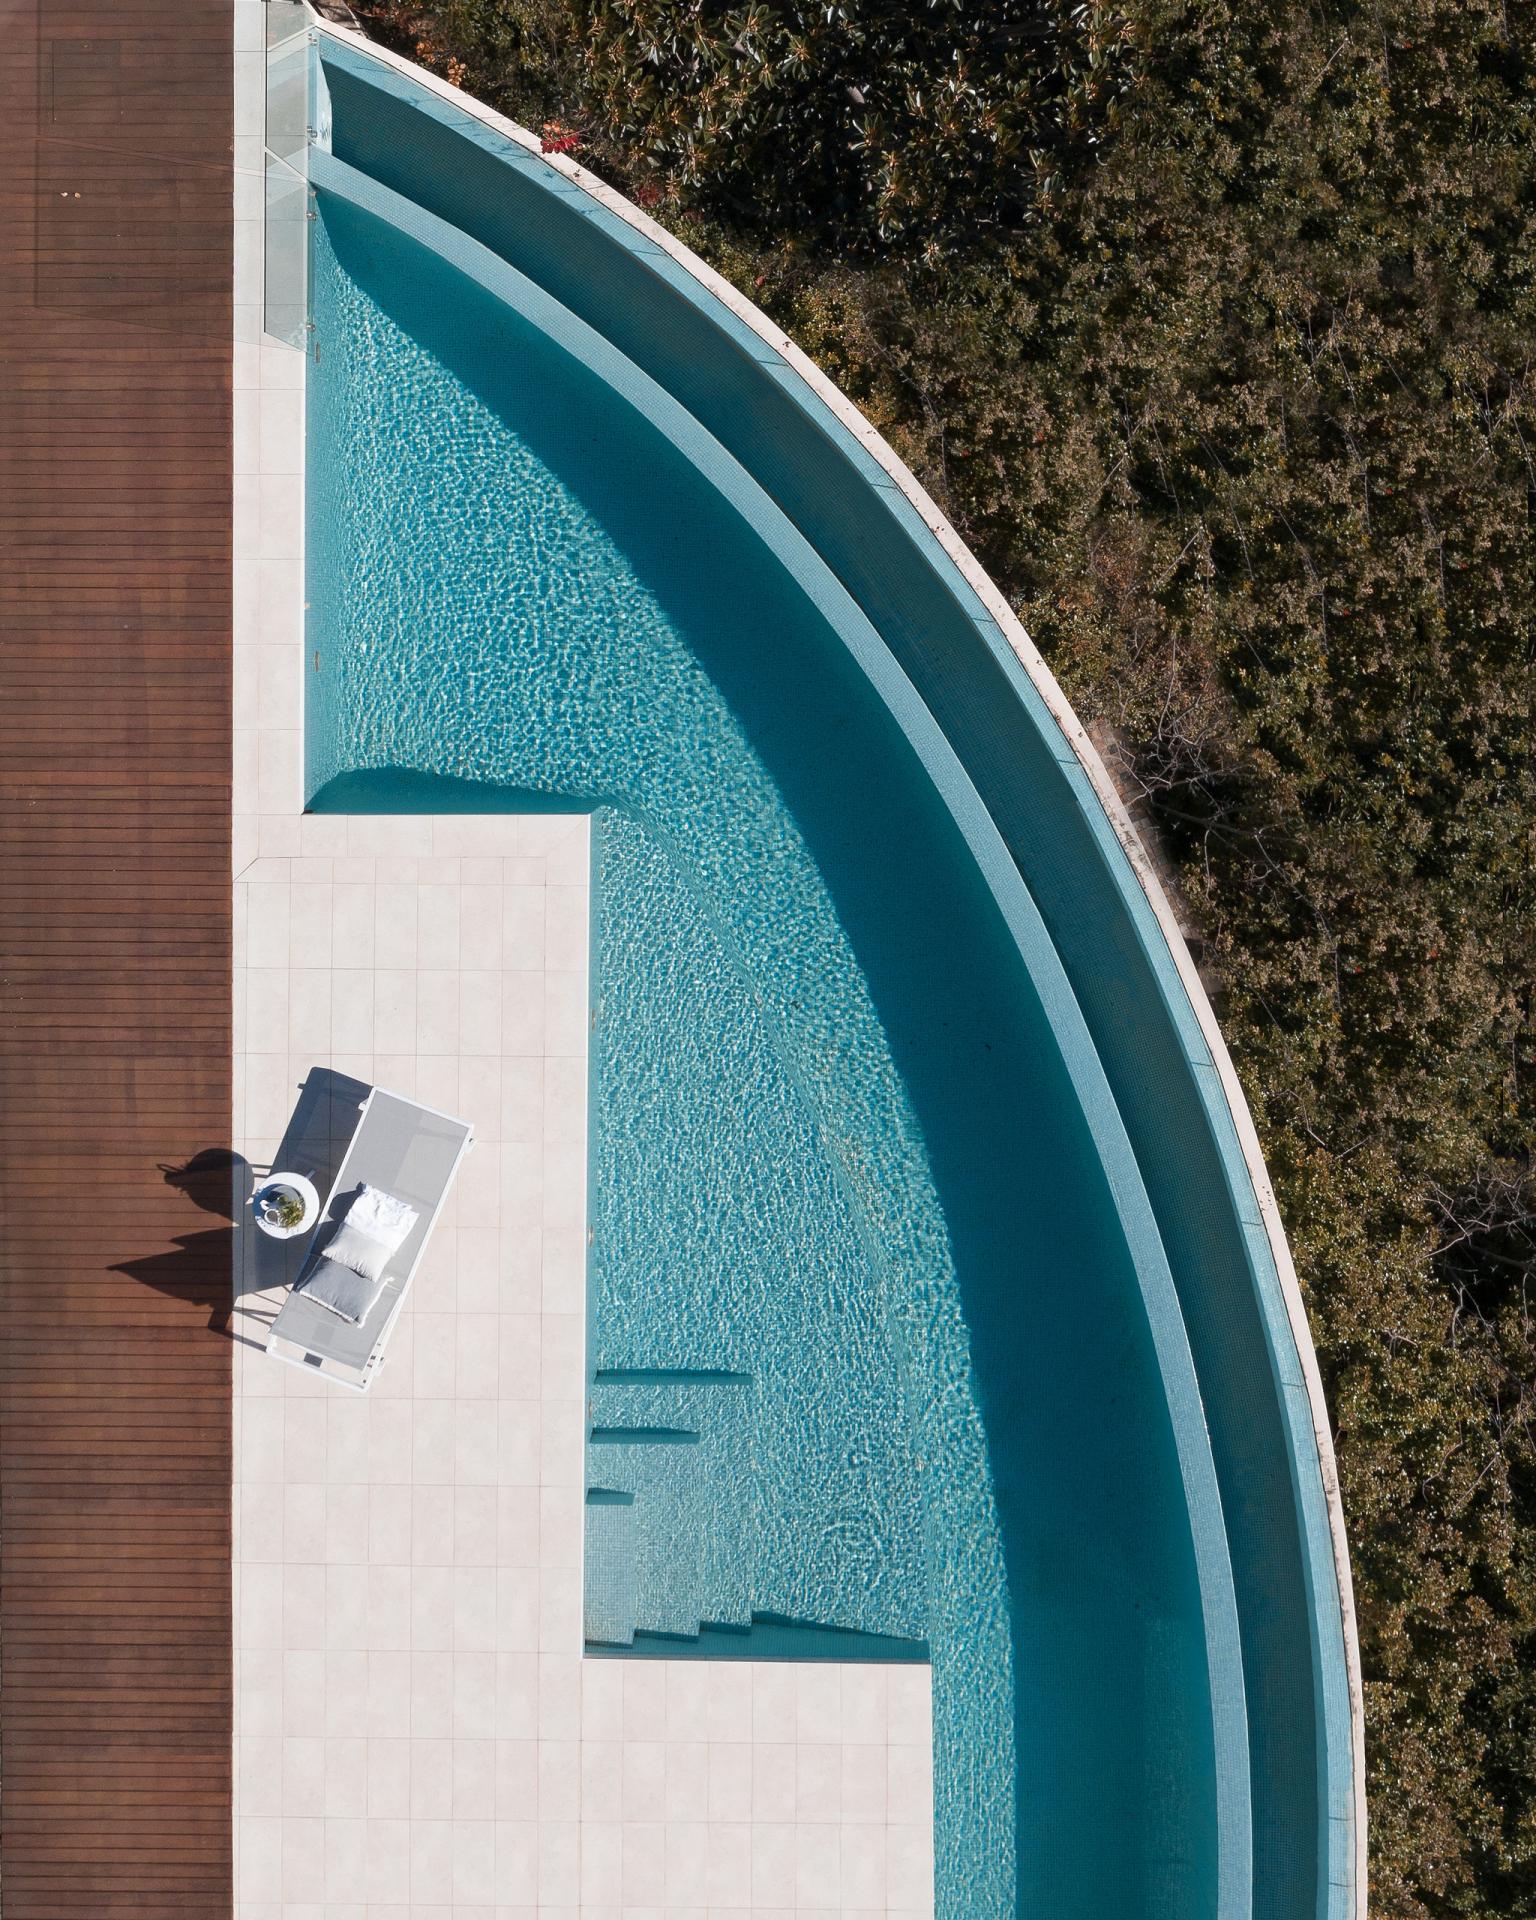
[(115, 690)]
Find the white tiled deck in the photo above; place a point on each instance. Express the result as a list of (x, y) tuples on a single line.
[(417, 1733)]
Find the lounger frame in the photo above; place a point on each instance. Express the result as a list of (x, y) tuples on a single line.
[(309, 1352)]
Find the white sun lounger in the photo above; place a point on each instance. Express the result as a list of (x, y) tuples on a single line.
[(403, 1149)]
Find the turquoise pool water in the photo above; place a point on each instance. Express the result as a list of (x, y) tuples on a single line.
[(837, 1150), (505, 590), (745, 1257)]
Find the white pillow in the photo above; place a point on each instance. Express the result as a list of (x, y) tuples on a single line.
[(382, 1216), (363, 1252)]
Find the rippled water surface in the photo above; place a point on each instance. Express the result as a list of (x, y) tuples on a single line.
[(514, 581), (800, 1497)]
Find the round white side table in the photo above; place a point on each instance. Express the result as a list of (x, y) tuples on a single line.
[(294, 1183)]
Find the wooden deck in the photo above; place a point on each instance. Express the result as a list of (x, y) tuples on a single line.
[(115, 642)]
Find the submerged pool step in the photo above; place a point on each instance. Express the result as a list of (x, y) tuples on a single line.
[(696, 1529), (670, 1377), (668, 1541), (643, 1437), (608, 1607)]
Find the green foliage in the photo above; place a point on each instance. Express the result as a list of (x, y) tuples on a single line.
[(871, 124), (283, 1206), (1240, 415), (874, 123), (522, 57)]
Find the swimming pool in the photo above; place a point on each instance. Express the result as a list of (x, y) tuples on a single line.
[(853, 1142)]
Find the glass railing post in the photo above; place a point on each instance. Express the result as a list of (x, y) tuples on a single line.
[(289, 128)]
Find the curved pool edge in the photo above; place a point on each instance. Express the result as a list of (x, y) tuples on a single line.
[(1095, 790)]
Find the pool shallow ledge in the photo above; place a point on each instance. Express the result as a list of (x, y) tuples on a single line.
[(1025, 758)]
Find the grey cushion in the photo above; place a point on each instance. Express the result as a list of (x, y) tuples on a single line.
[(342, 1289)]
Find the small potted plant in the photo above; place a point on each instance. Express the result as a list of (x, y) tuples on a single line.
[(282, 1207)]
